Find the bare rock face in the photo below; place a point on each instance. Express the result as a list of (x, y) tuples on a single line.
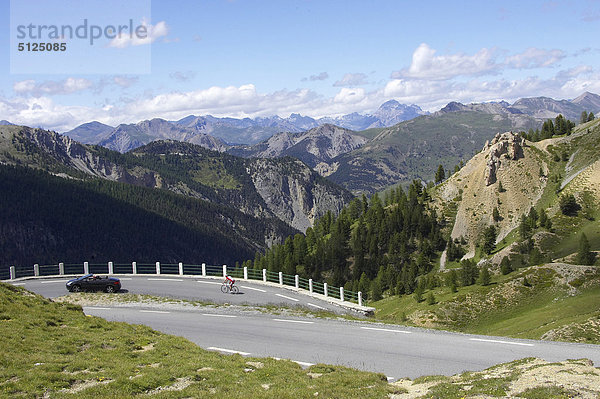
[(508, 146), (294, 193)]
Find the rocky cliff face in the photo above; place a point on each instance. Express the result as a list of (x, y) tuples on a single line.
[(283, 188), (125, 138), (473, 192), (506, 145), (295, 193), (313, 147)]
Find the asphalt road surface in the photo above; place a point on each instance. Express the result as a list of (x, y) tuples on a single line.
[(197, 289), (396, 351)]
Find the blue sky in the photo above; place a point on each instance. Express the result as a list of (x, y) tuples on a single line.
[(259, 58)]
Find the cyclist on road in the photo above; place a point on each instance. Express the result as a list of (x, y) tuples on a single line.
[(229, 281)]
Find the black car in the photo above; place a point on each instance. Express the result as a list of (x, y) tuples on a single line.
[(91, 282)]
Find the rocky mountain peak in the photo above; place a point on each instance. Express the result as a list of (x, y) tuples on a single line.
[(454, 106), (507, 146)]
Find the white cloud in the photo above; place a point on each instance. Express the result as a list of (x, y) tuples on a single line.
[(125, 81), (426, 65), (66, 86), (535, 58), (152, 33), (248, 101), (314, 78), (352, 79), (183, 76), (349, 96)]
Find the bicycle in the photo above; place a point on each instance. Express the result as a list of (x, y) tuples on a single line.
[(229, 288)]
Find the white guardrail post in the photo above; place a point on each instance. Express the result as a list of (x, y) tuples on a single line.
[(181, 268), (297, 281), (280, 278), (111, 268), (310, 287), (86, 268), (157, 267), (359, 298), (204, 270), (265, 275), (134, 267), (245, 272), (36, 270), (342, 294), (61, 269), (325, 289), (224, 270), (13, 273)]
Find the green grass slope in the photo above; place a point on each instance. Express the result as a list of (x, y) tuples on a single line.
[(53, 350), (554, 301)]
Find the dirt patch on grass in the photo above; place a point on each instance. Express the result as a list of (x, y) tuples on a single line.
[(179, 385), (79, 386), (578, 377)]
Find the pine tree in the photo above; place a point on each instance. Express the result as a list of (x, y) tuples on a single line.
[(525, 227), (419, 293), (440, 174), (496, 215), (500, 188), (431, 298), (584, 117), (591, 117), (488, 241), (468, 272), (585, 256), (484, 276), (535, 257), (568, 205), (505, 266)]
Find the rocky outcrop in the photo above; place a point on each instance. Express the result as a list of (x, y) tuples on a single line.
[(284, 188), (507, 146), (294, 193), (313, 147)]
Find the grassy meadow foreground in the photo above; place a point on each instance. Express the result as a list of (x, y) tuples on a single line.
[(53, 350)]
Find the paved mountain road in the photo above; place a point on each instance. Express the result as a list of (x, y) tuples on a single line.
[(197, 289), (393, 350), (396, 351)]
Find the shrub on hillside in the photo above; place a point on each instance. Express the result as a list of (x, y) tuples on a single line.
[(568, 205)]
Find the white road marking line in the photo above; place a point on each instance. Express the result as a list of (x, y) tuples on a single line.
[(124, 278), (50, 282), (294, 321), (303, 363), (296, 361), (213, 348), (252, 288), (153, 311), (18, 283), (97, 308), (386, 329), (209, 282), (315, 306), (499, 342), (218, 315), (287, 297), (163, 279)]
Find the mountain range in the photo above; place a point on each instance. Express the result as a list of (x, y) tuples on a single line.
[(220, 133), (250, 202)]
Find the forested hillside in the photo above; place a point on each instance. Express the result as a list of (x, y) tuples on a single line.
[(47, 219), (371, 246)]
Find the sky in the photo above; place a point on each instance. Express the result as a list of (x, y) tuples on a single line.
[(258, 58)]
